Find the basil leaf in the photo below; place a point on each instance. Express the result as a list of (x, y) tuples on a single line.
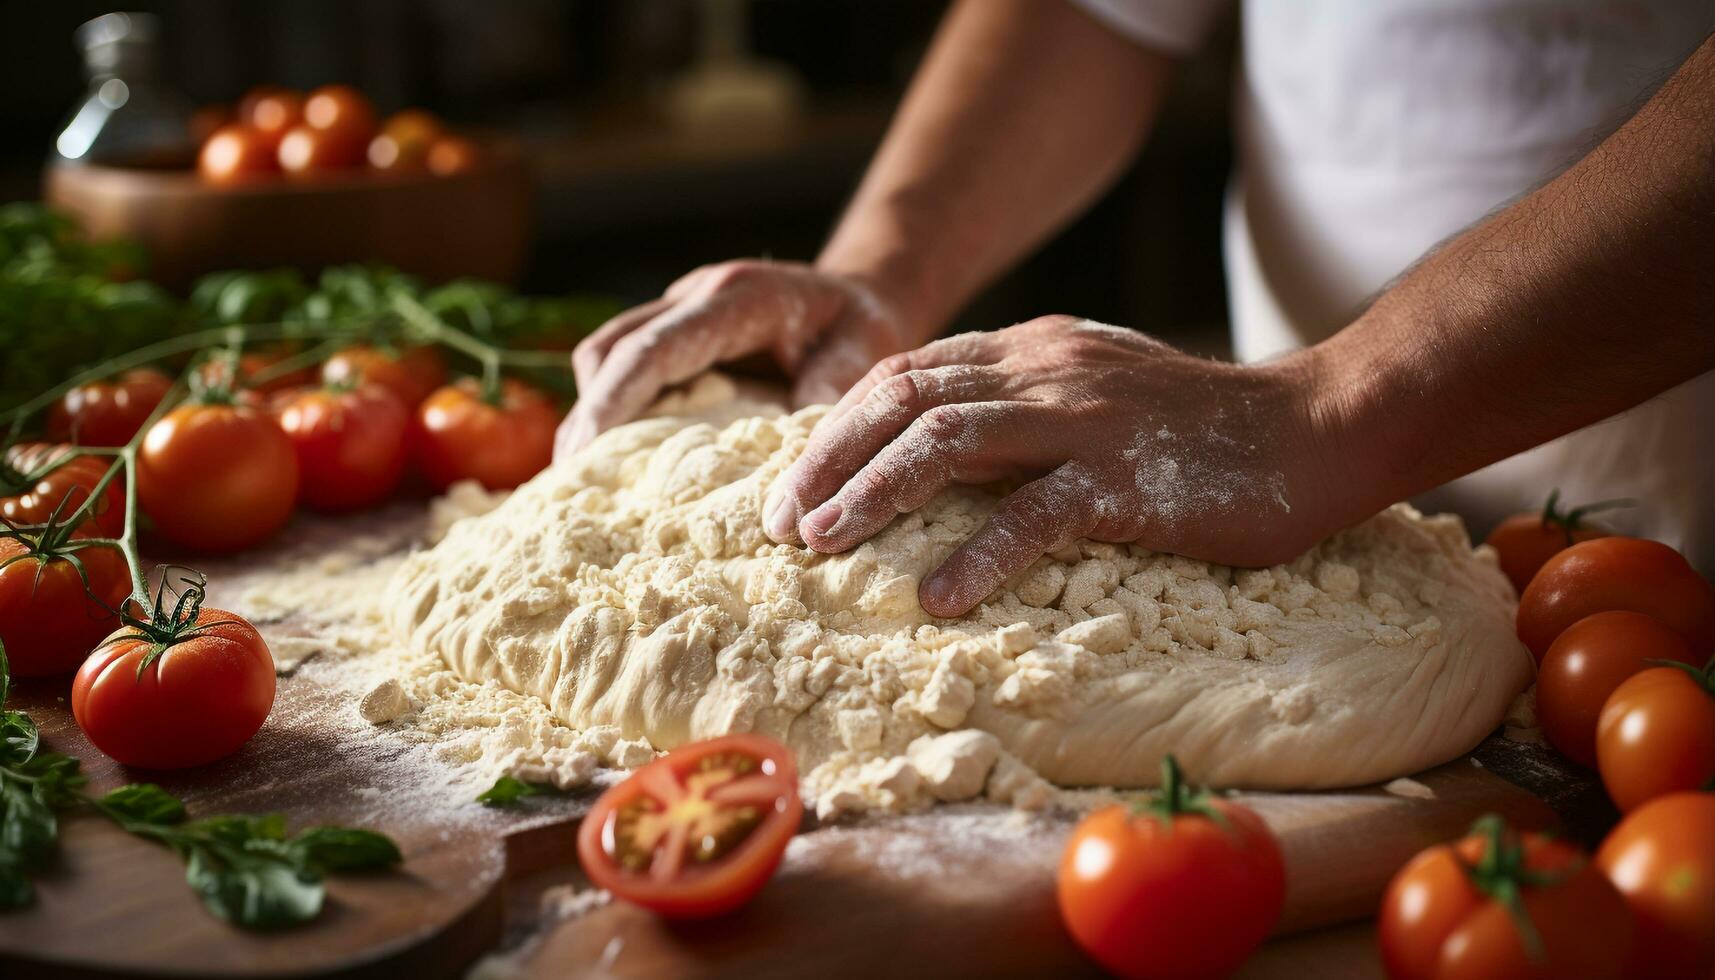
[(344, 849), (28, 828), (506, 791), (144, 803), (18, 739), (252, 891), (57, 777), (15, 889), (240, 831)]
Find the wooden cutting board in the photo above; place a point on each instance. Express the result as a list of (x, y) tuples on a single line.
[(964, 890)]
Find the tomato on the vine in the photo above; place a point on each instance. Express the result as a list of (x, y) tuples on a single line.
[(1617, 573), (216, 373), (697, 832), (49, 620), (1586, 663), (217, 478), (410, 373), (460, 435), (1524, 542), (1498, 906), (1185, 885), (1656, 735), (36, 479), (1662, 859), (350, 444), (108, 413), (171, 694)]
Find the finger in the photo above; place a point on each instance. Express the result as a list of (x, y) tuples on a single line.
[(675, 346), (1035, 519), (970, 443), (830, 371), (592, 350), (836, 452), (964, 348)]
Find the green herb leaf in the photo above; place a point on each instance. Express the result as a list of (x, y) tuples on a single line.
[(57, 778), (19, 739), (144, 803), (15, 889), (251, 890), (345, 849), (28, 828), (507, 791), (239, 831)]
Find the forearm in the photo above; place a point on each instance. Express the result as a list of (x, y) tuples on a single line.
[(1587, 297), (1023, 112)]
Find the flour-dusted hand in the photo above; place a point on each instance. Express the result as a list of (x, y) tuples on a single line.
[(825, 330), (1123, 438)]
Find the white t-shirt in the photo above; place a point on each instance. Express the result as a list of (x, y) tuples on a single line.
[(1371, 130)]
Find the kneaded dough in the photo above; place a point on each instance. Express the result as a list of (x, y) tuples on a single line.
[(633, 587)]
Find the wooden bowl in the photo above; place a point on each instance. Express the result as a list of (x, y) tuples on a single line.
[(476, 223)]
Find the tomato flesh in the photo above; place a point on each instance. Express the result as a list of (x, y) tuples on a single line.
[(697, 833)]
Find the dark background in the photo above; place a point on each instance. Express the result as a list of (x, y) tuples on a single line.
[(625, 203)]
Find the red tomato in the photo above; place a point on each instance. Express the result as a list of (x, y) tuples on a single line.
[(451, 155), (403, 143), (1524, 542), (1445, 915), (198, 701), (272, 111), (1617, 573), (48, 621), (1656, 735), (342, 112), (411, 374), (217, 478), (237, 154), (308, 154), (1586, 663), (213, 372), (207, 120), (108, 413), (36, 478), (350, 443), (460, 436), (1186, 886), (1662, 859), (698, 832)]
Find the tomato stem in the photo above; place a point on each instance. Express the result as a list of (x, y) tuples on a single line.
[(1501, 875), (1176, 799), (1572, 521)]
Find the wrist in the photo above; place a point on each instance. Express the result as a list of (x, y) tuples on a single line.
[(1343, 408), (897, 282)]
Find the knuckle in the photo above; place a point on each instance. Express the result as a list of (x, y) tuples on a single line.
[(900, 391), (738, 272), (942, 426)]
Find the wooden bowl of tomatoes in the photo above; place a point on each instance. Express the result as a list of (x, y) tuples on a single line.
[(287, 179)]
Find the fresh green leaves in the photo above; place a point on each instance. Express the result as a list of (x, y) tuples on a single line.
[(245, 869), (507, 791)]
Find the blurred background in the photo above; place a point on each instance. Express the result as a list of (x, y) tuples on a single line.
[(631, 188)]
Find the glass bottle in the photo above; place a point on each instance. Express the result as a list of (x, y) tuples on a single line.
[(130, 117)]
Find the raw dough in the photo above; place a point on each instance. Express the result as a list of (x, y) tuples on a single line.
[(633, 587)]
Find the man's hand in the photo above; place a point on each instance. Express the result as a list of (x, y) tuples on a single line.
[(823, 329), (1124, 439)]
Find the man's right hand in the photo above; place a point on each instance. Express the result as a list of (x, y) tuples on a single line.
[(825, 330)]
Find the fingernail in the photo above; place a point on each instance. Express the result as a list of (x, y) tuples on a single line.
[(778, 519), (823, 518)]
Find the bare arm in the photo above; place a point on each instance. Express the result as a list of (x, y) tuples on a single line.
[(1022, 113), (1585, 298)]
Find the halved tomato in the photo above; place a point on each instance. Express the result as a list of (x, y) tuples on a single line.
[(698, 832)]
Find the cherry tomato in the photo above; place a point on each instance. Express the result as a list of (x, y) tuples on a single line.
[(309, 154), (698, 832), (451, 155), (272, 111), (37, 478), (108, 413), (246, 108), (1524, 542), (342, 112), (1656, 735), (411, 374), (213, 372), (403, 143), (207, 120), (1586, 663), (198, 701), (237, 154), (1617, 573), (217, 478), (1185, 886), (350, 444), (48, 620), (460, 436), (1446, 914), (1662, 859)]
